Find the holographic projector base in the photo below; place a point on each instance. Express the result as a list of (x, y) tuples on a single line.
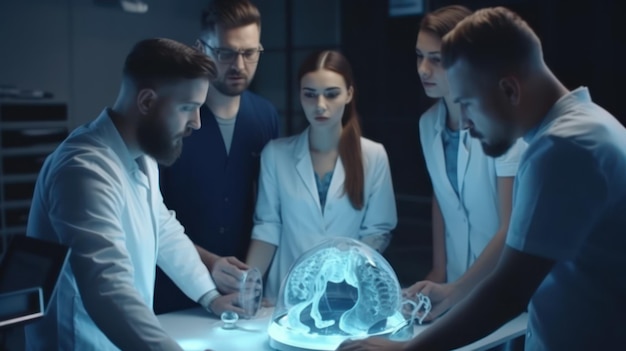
[(282, 338)]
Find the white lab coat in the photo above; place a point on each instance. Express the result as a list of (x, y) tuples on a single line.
[(92, 196), (472, 218), (288, 211)]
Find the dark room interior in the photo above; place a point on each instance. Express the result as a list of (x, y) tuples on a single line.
[(66, 55)]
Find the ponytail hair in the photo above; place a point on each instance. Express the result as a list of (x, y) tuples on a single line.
[(350, 140)]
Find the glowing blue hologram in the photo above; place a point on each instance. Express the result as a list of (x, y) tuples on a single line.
[(422, 308), (340, 289), (379, 296)]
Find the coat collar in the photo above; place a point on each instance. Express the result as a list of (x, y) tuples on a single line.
[(107, 128), (463, 155), (304, 167), (440, 113)]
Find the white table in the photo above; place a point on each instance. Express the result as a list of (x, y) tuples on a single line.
[(196, 330)]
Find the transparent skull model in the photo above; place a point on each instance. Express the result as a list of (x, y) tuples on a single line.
[(340, 289)]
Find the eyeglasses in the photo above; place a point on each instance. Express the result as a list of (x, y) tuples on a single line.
[(224, 55)]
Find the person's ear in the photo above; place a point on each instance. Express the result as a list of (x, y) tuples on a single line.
[(510, 87), (350, 94), (145, 100)]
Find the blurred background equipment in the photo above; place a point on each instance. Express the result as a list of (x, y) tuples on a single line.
[(132, 6), (13, 92)]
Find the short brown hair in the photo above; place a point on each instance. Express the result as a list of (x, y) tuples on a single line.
[(495, 39), (443, 20), (229, 14), (159, 60)]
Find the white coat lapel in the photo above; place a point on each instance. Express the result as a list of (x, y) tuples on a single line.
[(465, 144), (304, 166), (151, 168), (437, 147), (335, 189)]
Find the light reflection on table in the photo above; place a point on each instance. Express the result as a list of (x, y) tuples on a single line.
[(196, 330)]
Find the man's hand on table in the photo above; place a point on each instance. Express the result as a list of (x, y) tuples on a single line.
[(227, 303), (227, 273)]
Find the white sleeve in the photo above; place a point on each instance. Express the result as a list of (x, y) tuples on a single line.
[(85, 208), (559, 195), (507, 164), (380, 206), (267, 214), (178, 257)]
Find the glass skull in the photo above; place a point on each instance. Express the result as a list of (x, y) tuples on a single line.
[(339, 289)]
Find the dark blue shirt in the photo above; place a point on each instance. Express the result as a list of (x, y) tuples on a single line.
[(213, 191)]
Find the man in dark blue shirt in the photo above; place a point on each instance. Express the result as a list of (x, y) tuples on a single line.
[(212, 186)]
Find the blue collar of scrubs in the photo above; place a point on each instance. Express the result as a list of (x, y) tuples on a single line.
[(581, 94)]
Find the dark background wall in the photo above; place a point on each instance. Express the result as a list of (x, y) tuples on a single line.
[(75, 50)]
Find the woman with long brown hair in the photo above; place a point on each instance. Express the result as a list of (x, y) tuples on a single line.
[(328, 181)]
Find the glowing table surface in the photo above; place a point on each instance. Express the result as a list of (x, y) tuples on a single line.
[(196, 330)]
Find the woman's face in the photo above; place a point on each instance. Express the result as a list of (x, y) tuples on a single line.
[(324, 96), (429, 68)]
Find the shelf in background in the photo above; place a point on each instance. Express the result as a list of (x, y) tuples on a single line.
[(29, 132)]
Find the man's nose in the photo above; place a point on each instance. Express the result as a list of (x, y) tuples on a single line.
[(238, 62), (466, 123), (195, 123)]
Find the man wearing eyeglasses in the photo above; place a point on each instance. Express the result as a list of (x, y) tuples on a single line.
[(212, 185)]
